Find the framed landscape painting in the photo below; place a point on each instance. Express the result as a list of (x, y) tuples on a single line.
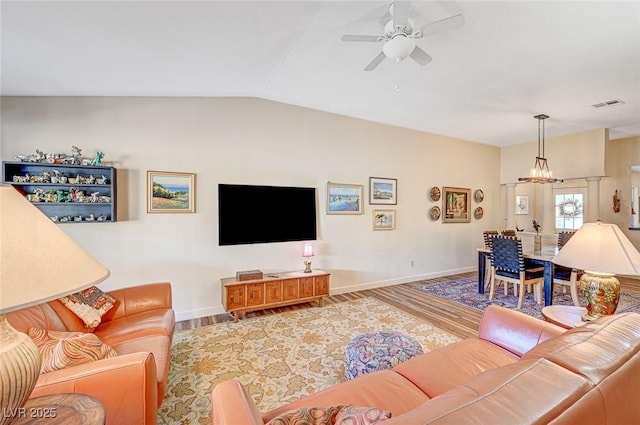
[(344, 198), (169, 192), (383, 191), (456, 205)]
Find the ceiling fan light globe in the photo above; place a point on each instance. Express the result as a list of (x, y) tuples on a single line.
[(398, 48)]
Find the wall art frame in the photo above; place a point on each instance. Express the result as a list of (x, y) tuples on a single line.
[(345, 198), (456, 204), (383, 191), (171, 192), (384, 219), (522, 205)]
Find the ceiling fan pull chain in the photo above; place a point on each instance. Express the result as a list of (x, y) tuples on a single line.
[(396, 87)]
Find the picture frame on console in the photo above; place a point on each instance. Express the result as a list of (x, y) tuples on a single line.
[(383, 191), (171, 192), (456, 205), (344, 198)]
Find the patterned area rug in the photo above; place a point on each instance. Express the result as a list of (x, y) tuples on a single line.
[(280, 357), (465, 291)]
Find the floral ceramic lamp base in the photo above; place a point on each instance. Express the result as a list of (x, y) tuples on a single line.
[(599, 293)]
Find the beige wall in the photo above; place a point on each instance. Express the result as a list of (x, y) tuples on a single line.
[(240, 140)]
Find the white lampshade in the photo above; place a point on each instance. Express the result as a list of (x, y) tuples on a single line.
[(398, 48), (38, 261), (600, 247), (308, 250)]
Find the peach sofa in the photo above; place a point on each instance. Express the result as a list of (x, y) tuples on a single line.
[(140, 328), (519, 370)]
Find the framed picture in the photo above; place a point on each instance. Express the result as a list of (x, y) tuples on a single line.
[(478, 213), (456, 205), (169, 192), (384, 219), (344, 198), (383, 191), (522, 205)]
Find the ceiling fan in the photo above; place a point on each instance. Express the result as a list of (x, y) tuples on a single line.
[(399, 35)]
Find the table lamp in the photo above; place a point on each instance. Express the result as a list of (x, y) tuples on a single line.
[(307, 253), (38, 263), (601, 250)]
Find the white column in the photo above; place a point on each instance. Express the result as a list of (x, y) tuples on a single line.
[(593, 200), (510, 222), (634, 205), (548, 210)]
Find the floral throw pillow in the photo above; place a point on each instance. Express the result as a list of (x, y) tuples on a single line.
[(59, 350), (89, 305), (333, 415)]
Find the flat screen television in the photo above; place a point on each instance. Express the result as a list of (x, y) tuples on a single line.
[(262, 214)]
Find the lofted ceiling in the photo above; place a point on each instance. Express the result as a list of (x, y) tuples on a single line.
[(510, 61)]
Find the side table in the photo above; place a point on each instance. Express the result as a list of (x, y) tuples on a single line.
[(566, 316), (61, 409)]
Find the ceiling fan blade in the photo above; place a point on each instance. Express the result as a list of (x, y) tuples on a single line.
[(401, 12), (420, 56), (353, 37), (445, 24), (375, 62)]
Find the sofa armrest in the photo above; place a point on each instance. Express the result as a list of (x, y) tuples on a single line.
[(514, 331), (138, 299), (231, 405), (126, 386)]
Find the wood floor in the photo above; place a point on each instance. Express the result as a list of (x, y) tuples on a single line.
[(449, 316)]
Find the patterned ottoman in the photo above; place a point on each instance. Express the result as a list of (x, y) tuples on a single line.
[(377, 351)]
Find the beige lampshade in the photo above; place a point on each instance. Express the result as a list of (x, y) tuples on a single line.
[(600, 247), (38, 261)]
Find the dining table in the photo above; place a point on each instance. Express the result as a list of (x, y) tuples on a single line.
[(543, 257)]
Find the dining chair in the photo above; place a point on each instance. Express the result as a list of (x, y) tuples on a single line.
[(488, 234), (508, 232), (508, 266), (566, 276)]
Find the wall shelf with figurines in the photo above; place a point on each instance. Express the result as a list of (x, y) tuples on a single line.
[(63, 188)]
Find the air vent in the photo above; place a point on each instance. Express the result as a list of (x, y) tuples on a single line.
[(608, 103)]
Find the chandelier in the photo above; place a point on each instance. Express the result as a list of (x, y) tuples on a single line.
[(540, 172)]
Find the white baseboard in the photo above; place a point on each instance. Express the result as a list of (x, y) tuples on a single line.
[(212, 311), (390, 282)]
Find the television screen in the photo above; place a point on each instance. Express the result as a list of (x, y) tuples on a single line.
[(261, 214)]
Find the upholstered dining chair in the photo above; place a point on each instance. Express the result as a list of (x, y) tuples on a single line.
[(565, 276), (508, 232), (508, 266)]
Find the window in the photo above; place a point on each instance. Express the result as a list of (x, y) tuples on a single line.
[(569, 211)]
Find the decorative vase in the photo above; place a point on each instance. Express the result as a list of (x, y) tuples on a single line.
[(599, 293), (537, 243)]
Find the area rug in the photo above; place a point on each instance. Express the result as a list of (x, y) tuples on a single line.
[(280, 357), (465, 291)]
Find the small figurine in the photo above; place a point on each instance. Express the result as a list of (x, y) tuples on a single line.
[(102, 218), (74, 159), (101, 180), (98, 159), (90, 179), (90, 218), (616, 202)]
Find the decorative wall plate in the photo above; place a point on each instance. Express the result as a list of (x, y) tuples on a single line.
[(478, 195), (478, 213), (435, 193), (435, 213)]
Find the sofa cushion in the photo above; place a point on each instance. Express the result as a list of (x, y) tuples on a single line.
[(89, 304), (525, 392), (440, 370), (59, 350), (154, 322), (384, 389), (332, 415)]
